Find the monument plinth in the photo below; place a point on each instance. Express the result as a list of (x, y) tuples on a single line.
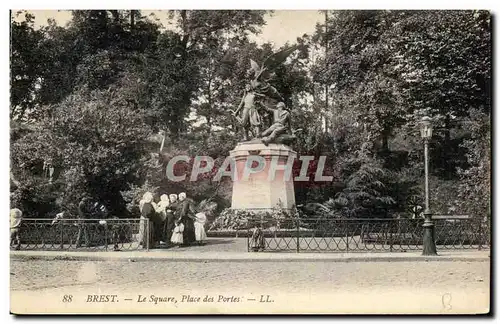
[(263, 162), (264, 177)]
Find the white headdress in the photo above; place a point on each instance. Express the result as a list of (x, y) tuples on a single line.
[(164, 202), (147, 197), (15, 217)]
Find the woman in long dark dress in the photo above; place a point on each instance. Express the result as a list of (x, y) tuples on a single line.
[(170, 218), (147, 209), (186, 216)]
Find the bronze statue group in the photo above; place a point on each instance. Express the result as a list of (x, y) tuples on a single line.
[(259, 95), (174, 221)]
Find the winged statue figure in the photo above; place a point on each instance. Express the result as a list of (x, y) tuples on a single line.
[(258, 91), (270, 63)]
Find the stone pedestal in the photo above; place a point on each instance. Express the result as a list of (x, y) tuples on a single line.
[(260, 191)]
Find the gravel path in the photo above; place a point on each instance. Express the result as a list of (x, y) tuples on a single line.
[(40, 274), (361, 279)]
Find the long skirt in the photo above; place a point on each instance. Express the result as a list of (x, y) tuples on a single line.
[(169, 226), (199, 230), (188, 234), (141, 236), (177, 238), (14, 237), (146, 232)]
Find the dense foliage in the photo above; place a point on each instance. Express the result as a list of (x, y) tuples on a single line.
[(93, 100)]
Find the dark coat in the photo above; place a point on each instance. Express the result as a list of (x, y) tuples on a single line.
[(186, 214)]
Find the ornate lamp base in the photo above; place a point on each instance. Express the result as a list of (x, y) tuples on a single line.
[(429, 239)]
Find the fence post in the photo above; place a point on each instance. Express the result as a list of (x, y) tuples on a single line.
[(347, 239), (347, 235), (298, 234), (391, 229), (62, 235), (106, 236)]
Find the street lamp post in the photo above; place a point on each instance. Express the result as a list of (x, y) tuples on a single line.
[(429, 241)]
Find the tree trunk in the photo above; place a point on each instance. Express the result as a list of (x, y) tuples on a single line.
[(209, 118), (185, 31), (447, 126), (385, 140), (132, 18)]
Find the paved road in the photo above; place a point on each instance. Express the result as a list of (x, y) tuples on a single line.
[(295, 286)]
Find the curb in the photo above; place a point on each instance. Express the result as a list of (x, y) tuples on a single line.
[(260, 257)]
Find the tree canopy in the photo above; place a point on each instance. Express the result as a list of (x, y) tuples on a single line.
[(93, 100)]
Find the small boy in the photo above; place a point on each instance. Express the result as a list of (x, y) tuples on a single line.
[(257, 241)]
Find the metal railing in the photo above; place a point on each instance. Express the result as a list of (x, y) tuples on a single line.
[(363, 235), (90, 234)]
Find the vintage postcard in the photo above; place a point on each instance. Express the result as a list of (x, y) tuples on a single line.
[(250, 161)]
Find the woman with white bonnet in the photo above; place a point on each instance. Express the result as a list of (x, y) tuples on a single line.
[(16, 218), (161, 209), (173, 198), (147, 209)]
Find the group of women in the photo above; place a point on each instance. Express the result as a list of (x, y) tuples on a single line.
[(173, 220)]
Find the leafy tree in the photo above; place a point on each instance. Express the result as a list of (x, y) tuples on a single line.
[(96, 141), (474, 195), (443, 60), (367, 190), (358, 88), (25, 64)]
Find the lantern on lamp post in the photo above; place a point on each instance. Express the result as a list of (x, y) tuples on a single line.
[(429, 243)]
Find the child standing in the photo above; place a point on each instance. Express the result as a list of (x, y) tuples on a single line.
[(199, 228), (177, 236), (257, 242)]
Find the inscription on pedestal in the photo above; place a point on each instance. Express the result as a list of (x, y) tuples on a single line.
[(258, 191), (255, 194)]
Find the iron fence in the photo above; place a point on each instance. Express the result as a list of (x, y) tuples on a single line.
[(362, 235), (91, 234)]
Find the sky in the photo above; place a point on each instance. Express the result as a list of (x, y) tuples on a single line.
[(282, 26)]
